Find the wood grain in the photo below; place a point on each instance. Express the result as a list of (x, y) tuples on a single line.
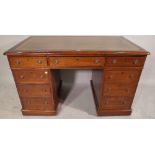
[(31, 90), (27, 62), (75, 62), (38, 103), (125, 61), (31, 76), (116, 62)]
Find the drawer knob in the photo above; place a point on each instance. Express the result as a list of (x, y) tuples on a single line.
[(109, 89), (114, 61), (45, 102), (110, 77), (40, 61), (97, 61), (22, 76), (42, 76), (18, 62), (131, 76), (56, 61), (136, 62)]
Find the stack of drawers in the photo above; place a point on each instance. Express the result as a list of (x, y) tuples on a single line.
[(115, 85), (121, 76), (34, 85)]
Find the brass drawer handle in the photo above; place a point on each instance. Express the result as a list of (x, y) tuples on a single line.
[(109, 89), (39, 61), (136, 61), (131, 76), (114, 61), (97, 61), (28, 102), (18, 62), (42, 76), (110, 77), (124, 102), (45, 102), (44, 90), (22, 76), (56, 61)]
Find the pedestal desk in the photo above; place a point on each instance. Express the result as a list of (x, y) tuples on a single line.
[(116, 65)]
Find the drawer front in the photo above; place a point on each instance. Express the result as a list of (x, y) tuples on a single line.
[(75, 62), (125, 61), (116, 102), (119, 90), (124, 77), (34, 90), (27, 62), (31, 76), (37, 104)]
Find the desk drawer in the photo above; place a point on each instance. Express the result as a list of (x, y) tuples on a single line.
[(124, 77), (75, 62), (125, 61), (39, 90), (119, 90), (37, 104), (116, 102), (31, 76), (27, 62)]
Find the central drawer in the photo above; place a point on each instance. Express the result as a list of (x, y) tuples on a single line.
[(76, 62)]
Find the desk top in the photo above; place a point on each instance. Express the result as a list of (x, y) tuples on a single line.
[(76, 45)]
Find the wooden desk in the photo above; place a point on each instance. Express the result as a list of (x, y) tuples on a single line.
[(116, 65)]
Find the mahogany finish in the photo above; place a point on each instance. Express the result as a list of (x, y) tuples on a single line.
[(37, 103), (30, 90), (32, 76), (28, 62), (125, 61), (76, 62), (116, 62)]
